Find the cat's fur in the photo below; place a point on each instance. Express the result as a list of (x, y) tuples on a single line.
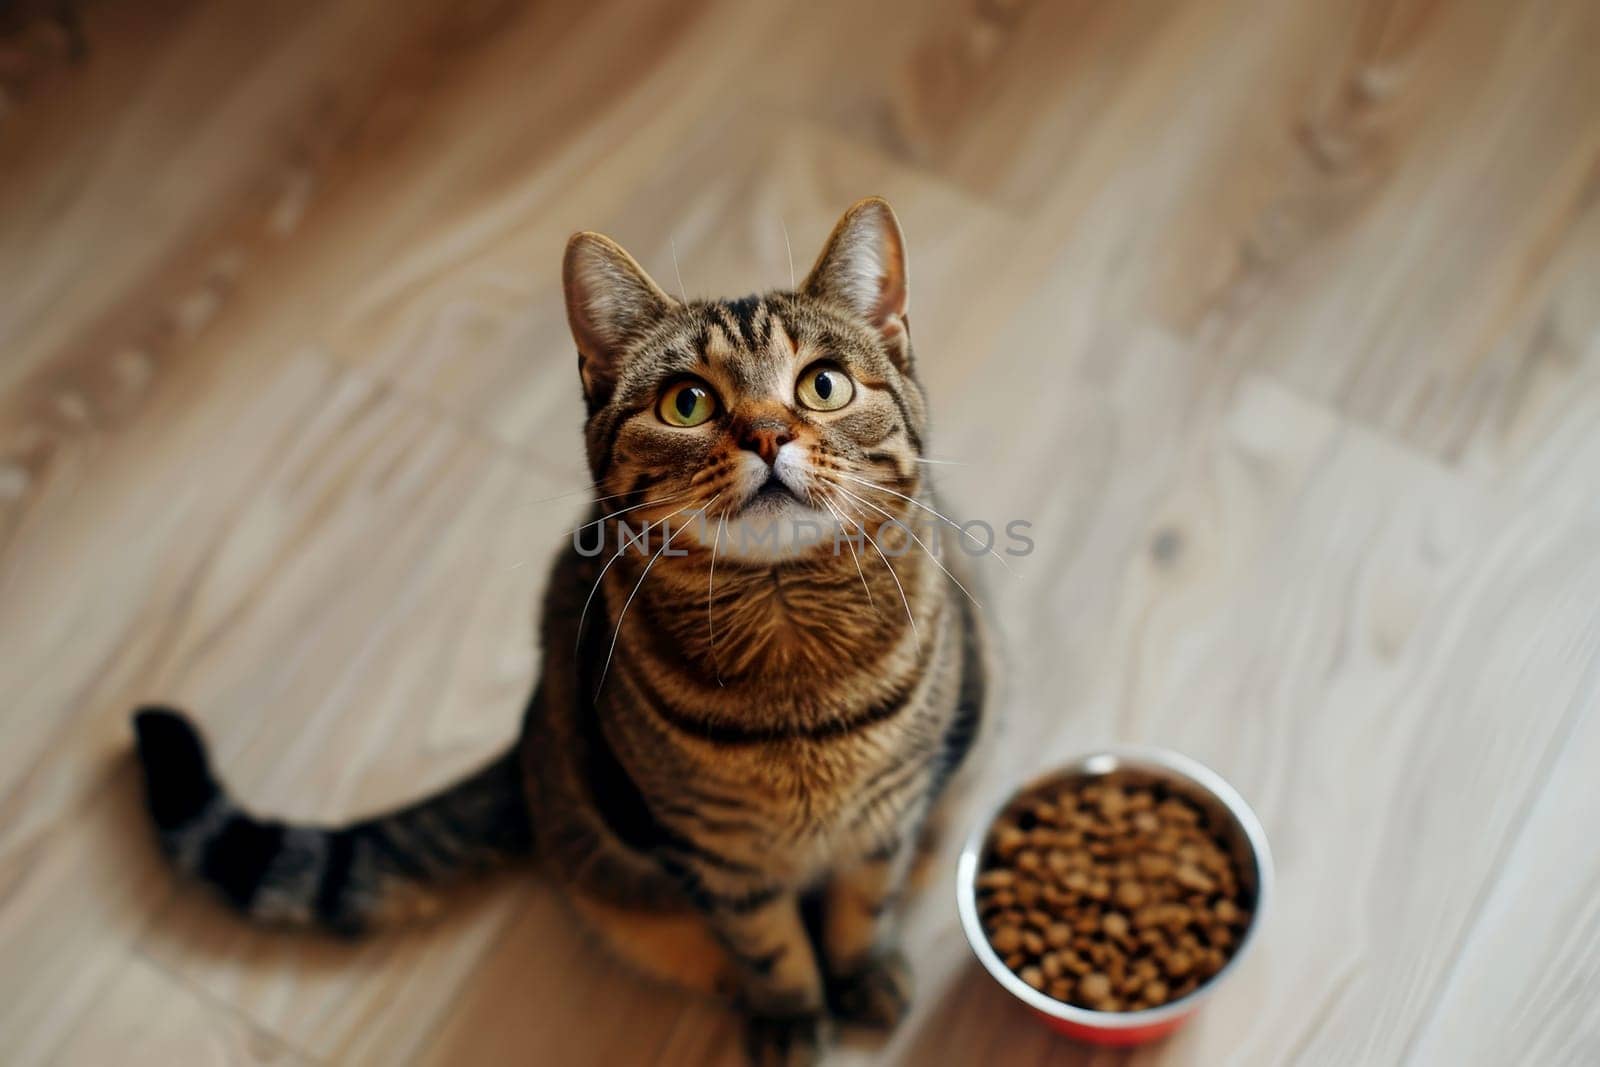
[(721, 732)]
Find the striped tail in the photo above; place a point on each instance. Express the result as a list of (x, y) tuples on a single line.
[(345, 879)]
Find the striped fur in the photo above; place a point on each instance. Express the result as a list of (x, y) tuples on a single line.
[(730, 748), (345, 878)]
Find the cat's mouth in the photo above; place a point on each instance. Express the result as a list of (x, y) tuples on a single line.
[(773, 492), (774, 486)]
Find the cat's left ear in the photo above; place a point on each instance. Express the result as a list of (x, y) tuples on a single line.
[(863, 268), (610, 302)]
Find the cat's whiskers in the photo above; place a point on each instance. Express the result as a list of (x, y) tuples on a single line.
[(621, 548), (574, 492), (598, 500), (617, 633), (842, 521), (915, 636), (614, 496), (711, 628), (789, 248), (673, 242), (669, 498), (931, 511), (920, 544), (906, 603), (563, 495)]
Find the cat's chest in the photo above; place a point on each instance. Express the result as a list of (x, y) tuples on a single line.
[(808, 805)]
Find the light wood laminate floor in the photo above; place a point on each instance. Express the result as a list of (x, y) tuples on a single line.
[(1280, 321)]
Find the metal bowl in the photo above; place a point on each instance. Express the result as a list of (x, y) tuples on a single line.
[(1236, 824)]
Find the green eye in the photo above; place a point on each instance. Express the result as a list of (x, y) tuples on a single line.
[(687, 403), (824, 387)]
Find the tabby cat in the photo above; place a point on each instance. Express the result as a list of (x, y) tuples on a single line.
[(737, 738)]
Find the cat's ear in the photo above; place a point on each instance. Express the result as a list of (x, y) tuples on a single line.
[(863, 267), (610, 301)]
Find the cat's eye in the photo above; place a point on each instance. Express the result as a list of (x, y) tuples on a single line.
[(687, 402), (824, 387)]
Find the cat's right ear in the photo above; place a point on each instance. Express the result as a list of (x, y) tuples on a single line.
[(610, 301)]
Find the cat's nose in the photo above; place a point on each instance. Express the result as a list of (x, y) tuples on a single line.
[(764, 439)]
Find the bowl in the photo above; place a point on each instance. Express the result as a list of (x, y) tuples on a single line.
[(1235, 824)]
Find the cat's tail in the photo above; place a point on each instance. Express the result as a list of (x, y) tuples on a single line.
[(346, 878)]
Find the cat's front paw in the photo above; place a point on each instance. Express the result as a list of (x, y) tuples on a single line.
[(875, 993), (786, 1041)]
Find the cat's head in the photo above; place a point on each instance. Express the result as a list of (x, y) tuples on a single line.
[(794, 406)]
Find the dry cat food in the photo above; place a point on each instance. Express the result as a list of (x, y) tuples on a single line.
[(1110, 893)]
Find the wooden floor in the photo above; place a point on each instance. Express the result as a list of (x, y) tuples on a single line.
[(1280, 321)]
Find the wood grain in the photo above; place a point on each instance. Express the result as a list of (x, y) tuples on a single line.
[(1278, 322)]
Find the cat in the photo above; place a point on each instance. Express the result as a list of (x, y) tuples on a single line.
[(736, 738)]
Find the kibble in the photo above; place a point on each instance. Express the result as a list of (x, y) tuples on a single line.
[(1112, 894)]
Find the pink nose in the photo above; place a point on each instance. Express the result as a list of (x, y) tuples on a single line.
[(765, 440)]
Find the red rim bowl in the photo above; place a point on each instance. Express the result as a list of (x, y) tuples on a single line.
[(1238, 826)]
